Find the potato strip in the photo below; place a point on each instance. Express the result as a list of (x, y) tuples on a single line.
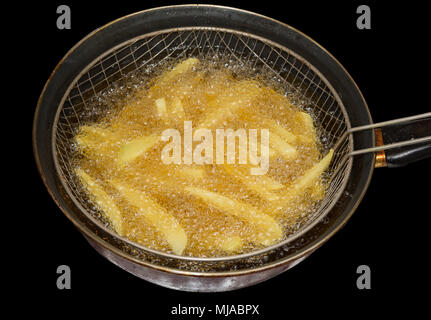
[(287, 151), (228, 106), (274, 127), (157, 216), (307, 121), (268, 229), (261, 185), (162, 113), (194, 174), (95, 139), (307, 180), (311, 175), (231, 244), (103, 200), (285, 134), (177, 112), (226, 243), (136, 147), (180, 68)]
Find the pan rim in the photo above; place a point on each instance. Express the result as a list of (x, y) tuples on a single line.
[(89, 233)]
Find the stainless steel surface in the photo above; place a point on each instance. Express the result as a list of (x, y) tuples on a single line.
[(194, 283)]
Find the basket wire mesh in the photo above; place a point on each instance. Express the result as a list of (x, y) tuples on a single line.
[(152, 50)]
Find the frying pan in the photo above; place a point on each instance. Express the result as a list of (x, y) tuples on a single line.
[(146, 39)]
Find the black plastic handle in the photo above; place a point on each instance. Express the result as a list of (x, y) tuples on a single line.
[(399, 157)]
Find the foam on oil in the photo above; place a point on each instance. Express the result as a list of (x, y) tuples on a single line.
[(127, 110)]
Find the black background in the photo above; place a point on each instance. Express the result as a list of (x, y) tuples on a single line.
[(387, 232)]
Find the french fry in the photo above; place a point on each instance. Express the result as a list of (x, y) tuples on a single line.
[(306, 119), (307, 180), (173, 112), (102, 142), (226, 243), (162, 113), (255, 160), (261, 185), (214, 117), (103, 200), (311, 175), (168, 76), (230, 105), (191, 173), (309, 129), (268, 230), (231, 244), (181, 67), (93, 138), (157, 216), (274, 127), (177, 110), (287, 151), (132, 149), (286, 135), (222, 242)]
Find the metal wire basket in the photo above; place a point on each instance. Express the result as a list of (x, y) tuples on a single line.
[(151, 50)]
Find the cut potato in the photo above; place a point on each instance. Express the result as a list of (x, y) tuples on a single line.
[(229, 105), (261, 185), (268, 230), (312, 174), (103, 200), (283, 148), (157, 216), (226, 243), (307, 180), (306, 119), (231, 244), (256, 160), (309, 129), (287, 136), (274, 127), (192, 173), (136, 147), (101, 142), (162, 113), (169, 76), (173, 112), (177, 110), (181, 67), (93, 137)]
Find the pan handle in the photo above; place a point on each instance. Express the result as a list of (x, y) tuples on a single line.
[(399, 157), (400, 141)]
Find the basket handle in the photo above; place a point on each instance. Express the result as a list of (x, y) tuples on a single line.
[(399, 157), (400, 141)]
